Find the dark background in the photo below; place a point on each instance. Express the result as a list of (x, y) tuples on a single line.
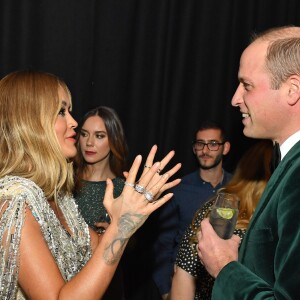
[(164, 65)]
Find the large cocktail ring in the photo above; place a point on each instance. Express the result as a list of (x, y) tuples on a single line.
[(148, 196), (139, 188)]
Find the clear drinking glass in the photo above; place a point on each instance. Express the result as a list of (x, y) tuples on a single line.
[(224, 213)]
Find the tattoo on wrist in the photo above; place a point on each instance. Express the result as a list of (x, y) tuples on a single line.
[(127, 225)]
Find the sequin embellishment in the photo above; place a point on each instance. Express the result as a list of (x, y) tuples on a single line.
[(71, 253)]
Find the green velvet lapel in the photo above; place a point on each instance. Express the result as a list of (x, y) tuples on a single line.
[(292, 156)]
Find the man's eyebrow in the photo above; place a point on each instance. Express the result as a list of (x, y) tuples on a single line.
[(241, 79), (212, 140), (244, 80)]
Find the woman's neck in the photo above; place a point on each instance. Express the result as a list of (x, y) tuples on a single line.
[(98, 172)]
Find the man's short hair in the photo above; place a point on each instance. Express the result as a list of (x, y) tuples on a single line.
[(211, 124)]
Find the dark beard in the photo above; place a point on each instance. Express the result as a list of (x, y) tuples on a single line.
[(216, 162)]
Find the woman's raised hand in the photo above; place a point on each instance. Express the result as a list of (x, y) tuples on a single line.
[(141, 197), (163, 164)]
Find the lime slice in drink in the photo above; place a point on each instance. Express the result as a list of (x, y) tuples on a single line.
[(226, 213)]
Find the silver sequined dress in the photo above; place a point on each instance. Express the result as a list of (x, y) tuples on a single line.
[(71, 253)]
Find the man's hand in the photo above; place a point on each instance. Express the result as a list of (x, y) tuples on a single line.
[(214, 252)]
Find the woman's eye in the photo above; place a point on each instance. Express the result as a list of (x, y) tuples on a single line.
[(83, 134), (62, 112), (100, 136)]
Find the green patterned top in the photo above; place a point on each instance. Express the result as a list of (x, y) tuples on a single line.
[(90, 200)]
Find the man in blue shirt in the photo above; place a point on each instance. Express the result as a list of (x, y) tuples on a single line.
[(195, 189)]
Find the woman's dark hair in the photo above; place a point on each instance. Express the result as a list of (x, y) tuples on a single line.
[(116, 140)]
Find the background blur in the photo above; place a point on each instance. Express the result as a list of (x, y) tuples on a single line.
[(163, 65)]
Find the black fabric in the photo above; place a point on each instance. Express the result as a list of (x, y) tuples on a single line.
[(164, 65), (115, 290), (276, 157)]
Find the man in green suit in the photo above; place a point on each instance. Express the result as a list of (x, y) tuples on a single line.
[(268, 96)]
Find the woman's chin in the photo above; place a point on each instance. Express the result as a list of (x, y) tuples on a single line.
[(70, 154)]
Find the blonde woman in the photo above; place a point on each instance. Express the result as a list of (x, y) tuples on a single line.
[(191, 280), (47, 250)]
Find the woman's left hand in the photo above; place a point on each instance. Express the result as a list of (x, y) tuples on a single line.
[(140, 197), (148, 164)]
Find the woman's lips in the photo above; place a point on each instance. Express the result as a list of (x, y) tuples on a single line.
[(89, 152)]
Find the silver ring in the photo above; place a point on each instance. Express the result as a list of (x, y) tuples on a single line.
[(145, 166), (148, 196), (139, 188), (129, 184), (158, 171)]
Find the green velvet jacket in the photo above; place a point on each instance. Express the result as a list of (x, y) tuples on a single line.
[(269, 257)]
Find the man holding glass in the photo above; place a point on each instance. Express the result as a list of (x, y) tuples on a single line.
[(268, 96), (210, 146)]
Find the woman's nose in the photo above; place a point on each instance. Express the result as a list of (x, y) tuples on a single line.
[(89, 141)]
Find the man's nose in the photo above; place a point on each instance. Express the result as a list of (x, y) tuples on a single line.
[(237, 98)]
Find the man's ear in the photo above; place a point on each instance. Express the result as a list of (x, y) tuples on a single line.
[(294, 89), (226, 148)]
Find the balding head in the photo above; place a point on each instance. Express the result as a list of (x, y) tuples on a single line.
[(277, 33), (282, 58)]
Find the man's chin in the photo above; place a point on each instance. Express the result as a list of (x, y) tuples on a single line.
[(250, 133), (211, 165), (206, 167)]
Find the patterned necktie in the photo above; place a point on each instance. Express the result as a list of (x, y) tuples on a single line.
[(276, 157)]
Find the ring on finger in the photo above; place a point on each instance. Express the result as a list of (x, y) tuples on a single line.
[(145, 166), (158, 171), (139, 188), (149, 196), (129, 184)]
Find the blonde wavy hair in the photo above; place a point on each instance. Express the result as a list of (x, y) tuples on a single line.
[(29, 106), (250, 179)]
